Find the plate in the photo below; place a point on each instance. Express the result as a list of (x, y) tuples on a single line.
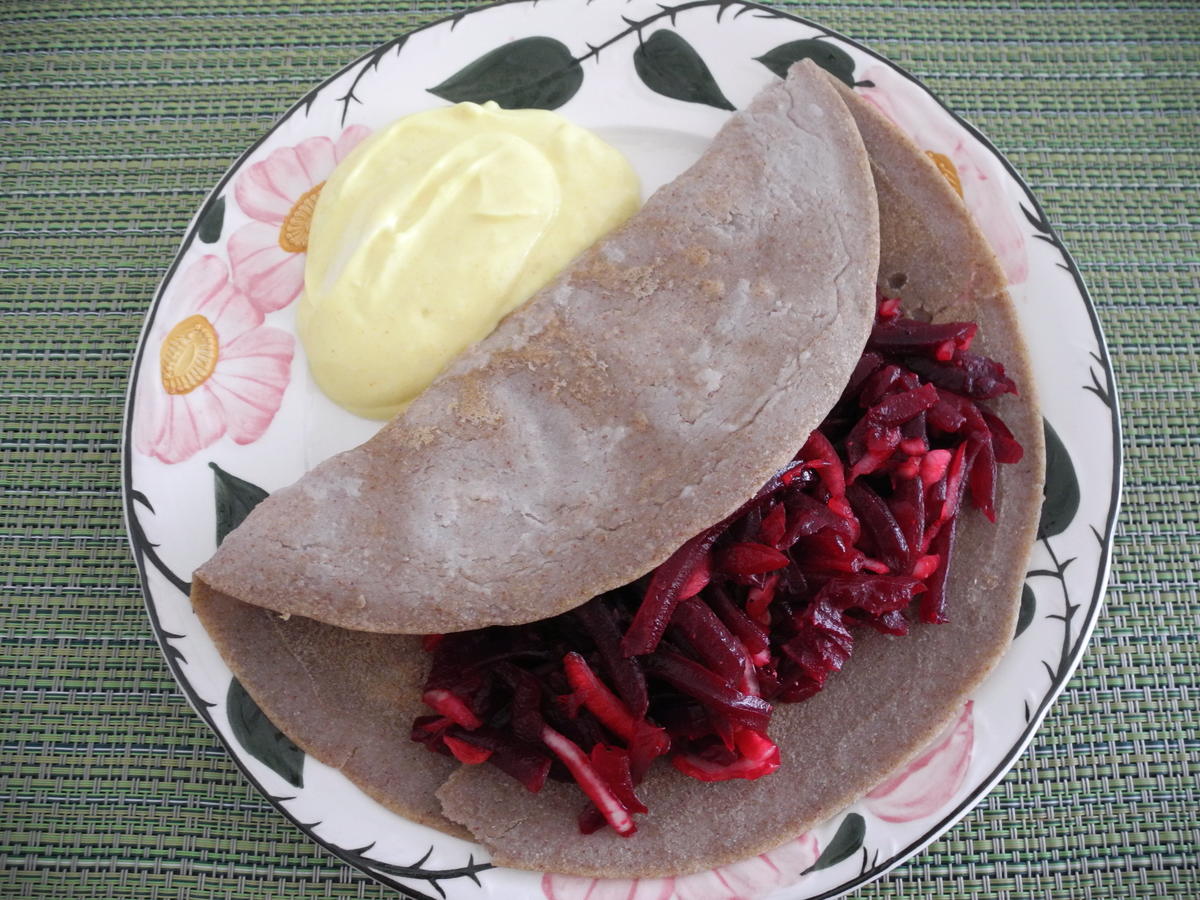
[(657, 81)]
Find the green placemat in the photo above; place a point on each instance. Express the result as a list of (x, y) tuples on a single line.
[(115, 119)]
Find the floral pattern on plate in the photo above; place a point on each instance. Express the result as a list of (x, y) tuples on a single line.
[(220, 370), (279, 194), (931, 780)]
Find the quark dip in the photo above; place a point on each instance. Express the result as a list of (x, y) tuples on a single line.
[(434, 229)]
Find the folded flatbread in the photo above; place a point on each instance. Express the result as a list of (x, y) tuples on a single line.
[(645, 394), (892, 698)]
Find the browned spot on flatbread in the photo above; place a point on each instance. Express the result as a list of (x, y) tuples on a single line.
[(472, 406), (763, 290), (416, 437)]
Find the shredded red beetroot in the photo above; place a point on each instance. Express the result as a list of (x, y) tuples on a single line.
[(761, 608)]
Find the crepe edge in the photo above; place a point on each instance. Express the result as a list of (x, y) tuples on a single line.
[(218, 623)]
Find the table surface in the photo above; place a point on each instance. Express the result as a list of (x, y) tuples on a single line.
[(116, 117)]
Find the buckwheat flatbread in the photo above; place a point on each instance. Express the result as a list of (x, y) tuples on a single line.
[(665, 375)]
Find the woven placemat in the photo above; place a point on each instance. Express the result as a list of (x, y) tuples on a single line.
[(115, 119)]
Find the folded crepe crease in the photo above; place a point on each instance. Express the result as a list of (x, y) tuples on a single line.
[(645, 394)]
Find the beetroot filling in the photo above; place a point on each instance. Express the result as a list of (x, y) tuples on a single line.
[(761, 608)]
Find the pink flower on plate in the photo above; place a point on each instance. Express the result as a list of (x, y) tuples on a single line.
[(211, 368), (280, 194), (978, 178), (753, 878), (571, 887), (931, 780), (749, 879)]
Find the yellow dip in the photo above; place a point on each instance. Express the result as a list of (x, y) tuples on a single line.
[(435, 228)]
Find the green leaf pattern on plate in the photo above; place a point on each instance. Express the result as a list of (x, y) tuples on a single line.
[(262, 740), (212, 221), (834, 60), (532, 73), (235, 498), (669, 65), (1028, 608), (846, 842), (1062, 487)]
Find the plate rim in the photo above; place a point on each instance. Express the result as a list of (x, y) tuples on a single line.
[(138, 545)]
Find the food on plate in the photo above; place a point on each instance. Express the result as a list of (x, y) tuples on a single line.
[(758, 610), (434, 229), (640, 397), (943, 345)]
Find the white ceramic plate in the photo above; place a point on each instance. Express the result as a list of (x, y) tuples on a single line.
[(656, 80)]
